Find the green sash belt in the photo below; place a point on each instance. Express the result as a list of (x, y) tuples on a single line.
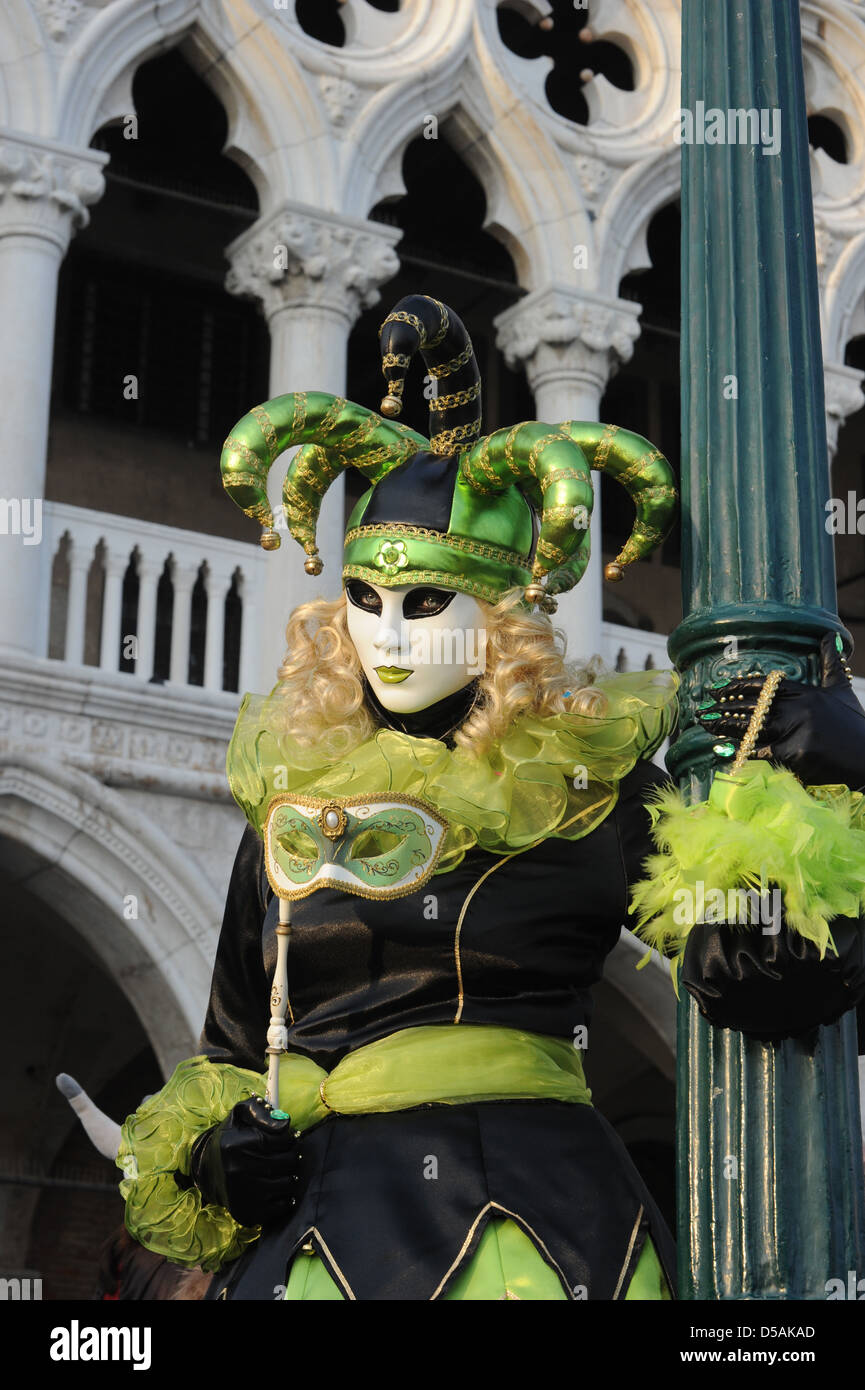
[(438, 1064), (441, 1064)]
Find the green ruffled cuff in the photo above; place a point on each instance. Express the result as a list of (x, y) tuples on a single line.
[(759, 829), (156, 1142)]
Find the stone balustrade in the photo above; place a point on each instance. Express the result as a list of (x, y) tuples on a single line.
[(155, 601)]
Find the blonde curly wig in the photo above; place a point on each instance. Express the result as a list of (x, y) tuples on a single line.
[(322, 695)]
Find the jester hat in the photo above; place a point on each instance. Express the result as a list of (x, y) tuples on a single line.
[(457, 510)]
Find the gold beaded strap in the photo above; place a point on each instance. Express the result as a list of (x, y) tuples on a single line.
[(758, 719)]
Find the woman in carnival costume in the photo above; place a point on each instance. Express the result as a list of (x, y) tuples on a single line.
[(446, 828)]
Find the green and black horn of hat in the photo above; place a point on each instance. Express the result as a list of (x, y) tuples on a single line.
[(421, 324), (454, 510)]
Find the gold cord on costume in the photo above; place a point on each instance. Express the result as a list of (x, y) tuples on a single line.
[(758, 719)]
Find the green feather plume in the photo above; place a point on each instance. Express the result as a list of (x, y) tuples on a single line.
[(759, 829)]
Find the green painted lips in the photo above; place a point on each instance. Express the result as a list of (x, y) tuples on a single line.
[(392, 675)]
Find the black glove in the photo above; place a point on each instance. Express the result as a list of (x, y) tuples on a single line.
[(774, 986), (248, 1164), (818, 732)]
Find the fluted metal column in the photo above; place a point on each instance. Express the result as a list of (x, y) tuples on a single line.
[(770, 1169)]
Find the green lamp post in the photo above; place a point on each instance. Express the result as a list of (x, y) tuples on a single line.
[(771, 1202)]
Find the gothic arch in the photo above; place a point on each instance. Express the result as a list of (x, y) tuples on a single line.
[(386, 49), (277, 132), (833, 44), (533, 207), (85, 852), (843, 306), (622, 226)]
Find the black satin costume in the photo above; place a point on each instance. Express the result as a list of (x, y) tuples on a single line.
[(536, 928)]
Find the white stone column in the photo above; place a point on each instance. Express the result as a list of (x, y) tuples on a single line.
[(218, 581), (249, 638), (112, 607), (76, 605), (570, 345), (844, 396), (44, 190), (183, 579), (313, 273), (149, 571)]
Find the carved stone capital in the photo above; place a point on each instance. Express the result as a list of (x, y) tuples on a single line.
[(45, 189), (559, 332), (299, 258), (844, 396)]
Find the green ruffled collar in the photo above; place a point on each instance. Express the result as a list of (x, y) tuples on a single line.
[(556, 775)]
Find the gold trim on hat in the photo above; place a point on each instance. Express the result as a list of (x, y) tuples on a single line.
[(485, 549)]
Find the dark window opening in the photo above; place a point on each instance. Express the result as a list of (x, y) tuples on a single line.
[(567, 41), (854, 353), (147, 336), (176, 139), (644, 395), (95, 601), (129, 619), (154, 360), (152, 350), (59, 600), (164, 614), (826, 134), (321, 20), (198, 630), (848, 473), (231, 647), (432, 233)]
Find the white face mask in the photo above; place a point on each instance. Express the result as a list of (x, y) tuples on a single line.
[(416, 644)]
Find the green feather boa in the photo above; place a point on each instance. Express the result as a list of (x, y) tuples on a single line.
[(759, 829)]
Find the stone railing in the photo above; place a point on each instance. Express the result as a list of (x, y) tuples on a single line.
[(179, 606), (632, 649), (154, 601)]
